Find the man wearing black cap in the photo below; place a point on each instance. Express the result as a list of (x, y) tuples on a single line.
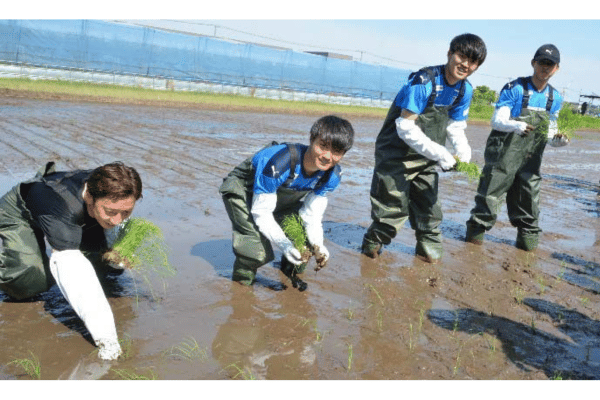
[(523, 122)]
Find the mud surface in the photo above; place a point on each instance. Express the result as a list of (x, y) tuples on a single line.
[(489, 312)]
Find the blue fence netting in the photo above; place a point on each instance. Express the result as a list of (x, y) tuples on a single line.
[(99, 46)]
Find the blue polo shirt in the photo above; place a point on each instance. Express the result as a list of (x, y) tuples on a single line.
[(414, 95), (272, 168), (512, 97)]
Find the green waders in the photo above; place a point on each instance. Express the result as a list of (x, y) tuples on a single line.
[(250, 247), (405, 186), (24, 265), (512, 168)]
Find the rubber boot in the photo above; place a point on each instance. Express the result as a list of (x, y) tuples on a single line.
[(243, 274), (429, 251), (474, 234), (371, 249), (290, 270), (527, 241)]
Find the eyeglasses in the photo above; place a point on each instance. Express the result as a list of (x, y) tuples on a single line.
[(546, 63)]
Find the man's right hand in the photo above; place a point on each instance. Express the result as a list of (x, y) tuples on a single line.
[(447, 162), (293, 255)]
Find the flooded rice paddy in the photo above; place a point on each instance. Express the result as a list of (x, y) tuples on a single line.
[(489, 312)]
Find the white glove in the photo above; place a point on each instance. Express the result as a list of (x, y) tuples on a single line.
[(77, 280), (458, 139), (311, 214), (501, 122), (554, 138), (410, 133), (108, 349), (262, 209), (558, 141)]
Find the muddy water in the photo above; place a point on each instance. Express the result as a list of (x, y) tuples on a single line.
[(490, 312)]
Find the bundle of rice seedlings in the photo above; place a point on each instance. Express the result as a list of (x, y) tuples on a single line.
[(294, 229), (140, 246), (471, 169)]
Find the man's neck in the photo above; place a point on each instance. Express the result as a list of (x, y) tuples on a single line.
[(538, 84)]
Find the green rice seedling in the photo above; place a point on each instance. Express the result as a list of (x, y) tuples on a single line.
[(471, 169), (350, 356), (294, 229), (140, 245), (189, 350), (126, 346), (133, 376), (567, 122), (319, 334), (31, 366), (380, 320), (350, 314), (584, 301), (376, 293), (542, 282), (518, 294), (245, 373)]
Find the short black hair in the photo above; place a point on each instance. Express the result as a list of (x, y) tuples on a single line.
[(336, 132), (471, 46)]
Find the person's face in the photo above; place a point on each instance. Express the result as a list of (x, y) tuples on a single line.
[(543, 70), (321, 157), (110, 213), (459, 67)]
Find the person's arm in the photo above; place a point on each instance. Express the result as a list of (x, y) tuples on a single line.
[(77, 280), (501, 122), (311, 213), (263, 205), (458, 139), (555, 139), (412, 135)]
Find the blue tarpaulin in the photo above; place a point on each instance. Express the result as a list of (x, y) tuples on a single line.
[(92, 45)]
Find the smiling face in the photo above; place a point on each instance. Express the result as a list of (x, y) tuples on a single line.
[(108, 212), (459, 67), (321, 157)]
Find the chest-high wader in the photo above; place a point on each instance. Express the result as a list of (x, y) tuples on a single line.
[(512, 168), (251, 248), (24, 265), (405, 183)]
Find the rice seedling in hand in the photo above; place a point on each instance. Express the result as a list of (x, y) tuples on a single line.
[(140, 245), (294, 230), (471, 169)]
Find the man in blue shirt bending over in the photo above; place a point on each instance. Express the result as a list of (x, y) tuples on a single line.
[(279, 180)]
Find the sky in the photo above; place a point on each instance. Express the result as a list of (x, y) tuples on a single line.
[(385, 32)]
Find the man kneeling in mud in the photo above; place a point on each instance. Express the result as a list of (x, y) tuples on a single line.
[(279, 180), (78, 213)]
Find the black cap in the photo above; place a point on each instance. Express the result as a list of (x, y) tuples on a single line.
[(547, 52)]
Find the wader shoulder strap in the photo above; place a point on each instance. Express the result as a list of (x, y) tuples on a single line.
[(550, 99), (461, 93), (525, 84), (294, 158)]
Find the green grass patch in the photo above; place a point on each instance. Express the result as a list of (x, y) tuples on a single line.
[(117, 93)]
